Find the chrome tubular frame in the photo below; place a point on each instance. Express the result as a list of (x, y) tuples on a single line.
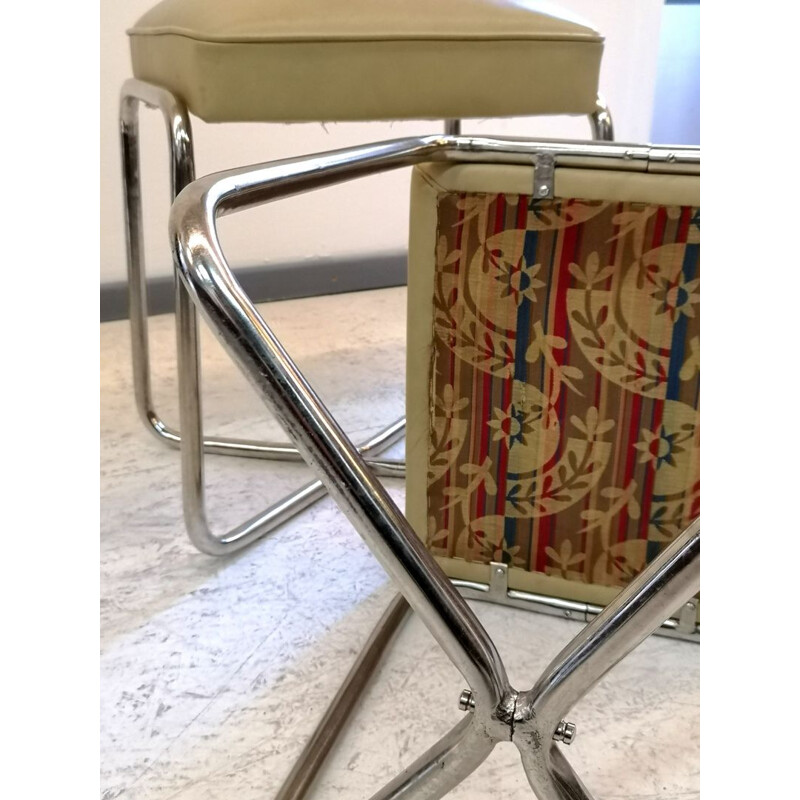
[(682, 624), (182, 168), (532, 719), (192, 443), (601, 122)]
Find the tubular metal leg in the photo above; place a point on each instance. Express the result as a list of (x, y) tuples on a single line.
[(672, 579), (641, 607), (443, 766), (335, 718), (193, 463), (181, 158), (599, 119), (669, 581), (179, 134), (559, 781), (601, 122)]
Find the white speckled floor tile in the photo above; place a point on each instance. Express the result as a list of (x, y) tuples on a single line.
[(215, 671)]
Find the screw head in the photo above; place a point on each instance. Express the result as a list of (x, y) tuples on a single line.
[(543, 191), (466, 702), (565, 732)]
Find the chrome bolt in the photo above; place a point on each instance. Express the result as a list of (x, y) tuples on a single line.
[(565, 732), (543, 191), (466, 702)]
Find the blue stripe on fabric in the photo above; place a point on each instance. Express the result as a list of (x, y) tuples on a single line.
[(691, 259), (524, 312), (520, 347)]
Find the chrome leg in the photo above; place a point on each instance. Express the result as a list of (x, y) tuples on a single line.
[(452, 127), (601, 122), (193, 445), (349, 480), (182, 172), (442, 767), (462, 750), (670, 580), (336, 715), (559, 781), (497, 712), (179, 132), (193, 462)]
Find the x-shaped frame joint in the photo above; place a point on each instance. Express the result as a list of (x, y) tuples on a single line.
[(531, 719)]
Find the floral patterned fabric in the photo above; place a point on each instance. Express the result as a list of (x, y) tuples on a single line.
[(564, 383)]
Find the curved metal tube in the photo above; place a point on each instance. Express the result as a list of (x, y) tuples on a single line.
[(263, 360), (553, 778), (245, 334), (601, 122), (671, 579), (668, 582), (181, 160), (305, 769), (442, 767)]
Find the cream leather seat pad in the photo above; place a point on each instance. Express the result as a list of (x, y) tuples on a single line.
[(428, 183), (296, 60)]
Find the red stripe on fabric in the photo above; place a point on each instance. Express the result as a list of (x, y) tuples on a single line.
[(649, 477), (486, 388), (695, 509), (656, 417), (658, 407), (685, 224), (568, 241), (450, 377), (507, 387)]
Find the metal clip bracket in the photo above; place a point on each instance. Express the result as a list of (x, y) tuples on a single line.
[(544, 168), (498, 586)]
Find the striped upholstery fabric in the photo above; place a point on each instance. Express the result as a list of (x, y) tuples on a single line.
[(564, 383)]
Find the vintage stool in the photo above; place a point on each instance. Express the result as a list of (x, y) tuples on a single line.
[(552, 404), (324, 60)]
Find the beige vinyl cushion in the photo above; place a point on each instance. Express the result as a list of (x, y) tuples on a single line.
[(328, 60), (428, 184)]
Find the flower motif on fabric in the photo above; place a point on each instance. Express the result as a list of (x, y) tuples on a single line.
[(592, 274), (448, 404), (591, 427), (659, 447), (677, 296), (691, 365), (479, 477), (551, 335), (516, 424), (563, 561), (518, 279)]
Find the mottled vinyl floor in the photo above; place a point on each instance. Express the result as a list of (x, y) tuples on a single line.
[(215, 671)]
